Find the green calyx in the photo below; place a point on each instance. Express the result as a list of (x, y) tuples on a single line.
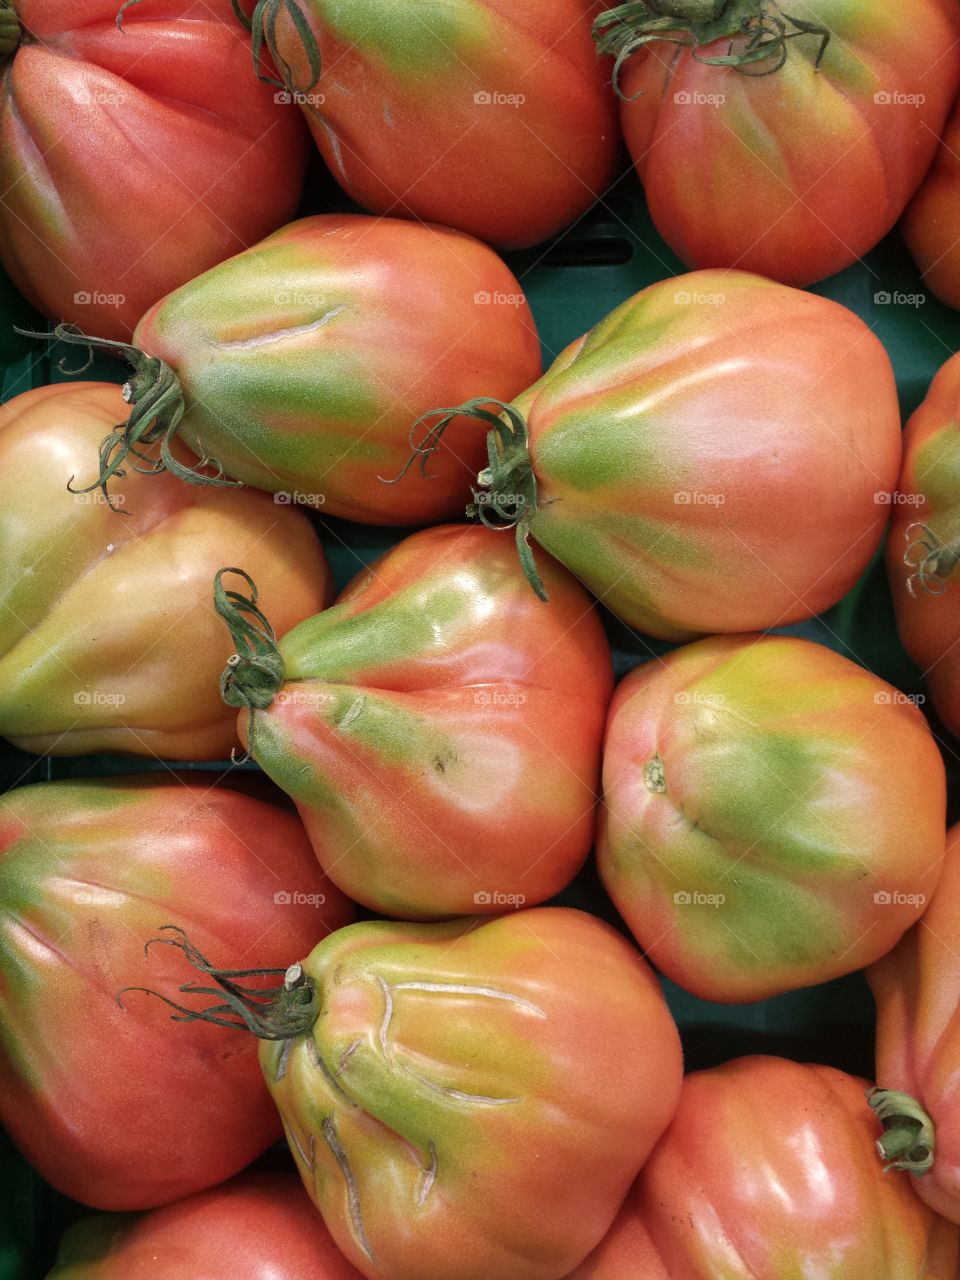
[(277, 1011), (931, 560), (11, 32), (263, 28), (506, 496), (157, 407), (254, 674), (758, 37), (908, 1140)]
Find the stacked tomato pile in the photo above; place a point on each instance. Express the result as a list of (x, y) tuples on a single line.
[(296, 981)]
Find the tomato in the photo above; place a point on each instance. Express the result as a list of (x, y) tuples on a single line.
[(931, 223), (459, 1102), (768, 1173), (108, 637), (101, 1099), (259, 1226), (924, 543), (710, 457), (782, 138), (439, 729), (131, 160), (751, 837), (491, 116), (917, 987), (301, 363)]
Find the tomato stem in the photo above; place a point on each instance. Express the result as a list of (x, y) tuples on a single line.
[(908, 1139), (156, 397), (932, 561), (278, 1011), (254, 674), (10, 30), (506, 493), (263, 28), (757, 37)]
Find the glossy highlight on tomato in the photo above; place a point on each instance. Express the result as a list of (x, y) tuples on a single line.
[(133, 159), (438, 729), (108, 637), (493, 116), (104, 1102), (773, 816)]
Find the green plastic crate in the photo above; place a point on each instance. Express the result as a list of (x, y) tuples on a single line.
[(609, 255)]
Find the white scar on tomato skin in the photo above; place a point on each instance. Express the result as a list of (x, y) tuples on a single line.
[(429, 1178), (294, 1140), (278, 335), (353, 1191), (456, 989)]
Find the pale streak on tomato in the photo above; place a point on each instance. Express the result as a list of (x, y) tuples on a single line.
[(806, 793), (768, 1172), (771, 411), (305, 360), (96, 607), (465, 1106), (114, 1106), (439, 728), (489, 116), (132, 161), (927, 497), (917, 989), (931, 223), (796, 174)]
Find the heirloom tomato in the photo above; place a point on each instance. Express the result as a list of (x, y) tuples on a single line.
[(782, 138), (300, 364), (468, 1100), (917, 989), (104, 1103), (924, 544), (439, 728), (134, 153), (750, 833), (768, 1173), (931, 223), (108, 638), (493, 116), (715, 455)]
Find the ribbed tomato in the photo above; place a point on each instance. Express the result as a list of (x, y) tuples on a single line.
[(782, 136), (108, 637), (931, 223), (924, 544), (717, 454), (300, 364), (468, 1100), (917, 989), (259, 1226), (131, 160), (493, 116), (439, 728), (768, 1173), (105, 1103), (750, 835)]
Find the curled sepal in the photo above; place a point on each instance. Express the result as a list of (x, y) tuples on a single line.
[(908, 1140), (255, 673), (263, 28), (931, 560), (157, 407), (277, 1011), (757, 37)]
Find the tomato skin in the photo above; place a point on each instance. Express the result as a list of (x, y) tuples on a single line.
[(108, 636), (737, 183), (439, 728), (709, 455), (447, 1182), (132, 161), (417, 113), (259, 1226), (929, 625), (387, 320), (916, 988), (112, 1105), (782, 748), (931, 223), (769, 1170)]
